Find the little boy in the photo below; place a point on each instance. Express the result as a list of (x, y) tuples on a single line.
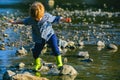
[(42, 32)]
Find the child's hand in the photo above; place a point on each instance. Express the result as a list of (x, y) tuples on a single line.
[(16, 22), (68, 20)]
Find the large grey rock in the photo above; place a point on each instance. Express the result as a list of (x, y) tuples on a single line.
[(27, 77), (65, 70), (10, 75), (68, 70)]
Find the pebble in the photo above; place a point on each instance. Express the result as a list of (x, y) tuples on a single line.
[(112, 46), (21, 52), (83, 54)]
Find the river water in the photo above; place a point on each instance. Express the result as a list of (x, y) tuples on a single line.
[(92, 20)]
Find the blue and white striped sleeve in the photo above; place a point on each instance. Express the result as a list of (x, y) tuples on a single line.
[(54, 19), (27, 21)]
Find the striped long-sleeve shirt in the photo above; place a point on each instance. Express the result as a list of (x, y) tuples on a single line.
[(43, 28)]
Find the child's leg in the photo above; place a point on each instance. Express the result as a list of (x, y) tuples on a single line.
[(36, 52), (37, 49), (54, 45)]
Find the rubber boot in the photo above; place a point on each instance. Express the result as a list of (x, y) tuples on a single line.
[(59, 61), (38, 74), (37, 64)]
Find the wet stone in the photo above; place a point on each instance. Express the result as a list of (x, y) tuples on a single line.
[(21, 65), (21, 52), (87, 60), (112, 46), (5, 35), (10, 75), (2, 46), (100, 44), (68, 70), (83, 54), (53, 71), (7, 75)]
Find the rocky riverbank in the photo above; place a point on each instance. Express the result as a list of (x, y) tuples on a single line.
[(88, 27)]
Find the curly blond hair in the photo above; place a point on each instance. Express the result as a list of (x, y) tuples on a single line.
[(37, 10)]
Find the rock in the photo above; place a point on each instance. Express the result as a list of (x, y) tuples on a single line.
[(2, 46), (10, 75), (21, 52), (83, 54), (21, 65), (53, 71), (65, 60), (87, 60), (100, 43), (71, 45), (68, 70), (44, 68), (5, 35), (62, 43), (63, 51), (80, 43), (112, 46), (49, 65), (27, 77)]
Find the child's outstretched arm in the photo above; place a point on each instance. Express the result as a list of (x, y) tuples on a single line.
[(16, 22)]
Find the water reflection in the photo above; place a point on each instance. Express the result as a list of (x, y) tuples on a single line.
[(99, 48), (9, 2), (112, 51), (5, 57), (68, 77), (38, 74)]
